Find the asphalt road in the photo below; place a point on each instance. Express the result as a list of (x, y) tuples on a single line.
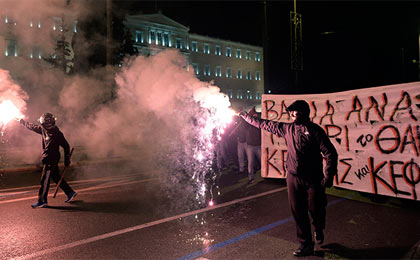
[(134, 213)]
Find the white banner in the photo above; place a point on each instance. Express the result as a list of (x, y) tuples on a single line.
[(376, 132)]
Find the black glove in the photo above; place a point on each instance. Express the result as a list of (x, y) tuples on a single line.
[(67, 162), (327, 182)]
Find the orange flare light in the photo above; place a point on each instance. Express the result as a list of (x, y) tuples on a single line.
[(8, 112)]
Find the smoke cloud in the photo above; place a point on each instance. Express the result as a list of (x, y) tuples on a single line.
[(160, 107), (153, 107)]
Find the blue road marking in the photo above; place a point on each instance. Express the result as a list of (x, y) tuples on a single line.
[(246, 235)]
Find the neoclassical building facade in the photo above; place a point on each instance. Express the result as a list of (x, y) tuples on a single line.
[(235, 67)]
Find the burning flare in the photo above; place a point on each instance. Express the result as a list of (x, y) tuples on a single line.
[(216, 116), (8, 112)]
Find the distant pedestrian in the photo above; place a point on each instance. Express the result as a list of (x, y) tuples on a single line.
[(52, 139), (307, 145), (241, 145), (221, 146), (253, 148)]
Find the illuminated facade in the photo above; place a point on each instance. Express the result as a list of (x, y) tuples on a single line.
[(235, 67), (27, 38)]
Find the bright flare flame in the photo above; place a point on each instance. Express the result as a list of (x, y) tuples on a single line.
[(214, 118), (8, 112)]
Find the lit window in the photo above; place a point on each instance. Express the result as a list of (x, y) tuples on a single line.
[(11, 49), (239, 74), (258, 95), (217, 50), (239, 94), (8, 20), (139, 37), (35, 52), (228, 52), (248, 75), (206, 70), (194, 46), (257, 56), (238, 53), (206, 48), (178, 43), (248, 94), (196, 70), (228, 72), (57, 24), (248, 55), (218, 71), (166, 39), (257, 75), (152, 38), (229, 93)]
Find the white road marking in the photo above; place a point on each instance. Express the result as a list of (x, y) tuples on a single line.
[(110, 178), (142, 226), (103, 186)]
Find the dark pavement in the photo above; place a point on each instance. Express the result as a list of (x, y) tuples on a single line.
[(129, 213)]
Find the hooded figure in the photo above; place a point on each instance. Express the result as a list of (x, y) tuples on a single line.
[(307, 145), (52, 139), (300, 106)]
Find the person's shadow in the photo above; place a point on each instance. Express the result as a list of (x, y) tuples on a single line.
[(362, 253), (76, 205), (100, 207)]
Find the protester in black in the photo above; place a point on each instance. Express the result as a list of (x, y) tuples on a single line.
[(307, 145), (52, 139), (253, 149), (241, 145)]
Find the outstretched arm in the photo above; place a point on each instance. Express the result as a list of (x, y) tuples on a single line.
[(33, 127), (267, 125)]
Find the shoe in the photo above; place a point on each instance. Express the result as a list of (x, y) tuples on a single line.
[(304, 250), (319, 237), (251, 181), (39, 205), (71, 196)]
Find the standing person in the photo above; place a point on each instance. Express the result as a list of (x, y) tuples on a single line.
[(306, 182), (241, 145), (221, 151), (253, 149), (52, 139)]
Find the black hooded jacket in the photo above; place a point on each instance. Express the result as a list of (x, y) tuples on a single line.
[(307, 144), (52, 139)]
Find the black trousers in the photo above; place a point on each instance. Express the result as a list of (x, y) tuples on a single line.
[(51, 170), (306, 198)]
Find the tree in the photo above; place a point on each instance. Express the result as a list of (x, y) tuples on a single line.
[(63, 55)]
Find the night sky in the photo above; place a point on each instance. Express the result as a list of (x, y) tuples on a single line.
[(346, 44)]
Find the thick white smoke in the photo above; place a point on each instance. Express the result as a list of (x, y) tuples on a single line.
[(159, 106), (154, 104)]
